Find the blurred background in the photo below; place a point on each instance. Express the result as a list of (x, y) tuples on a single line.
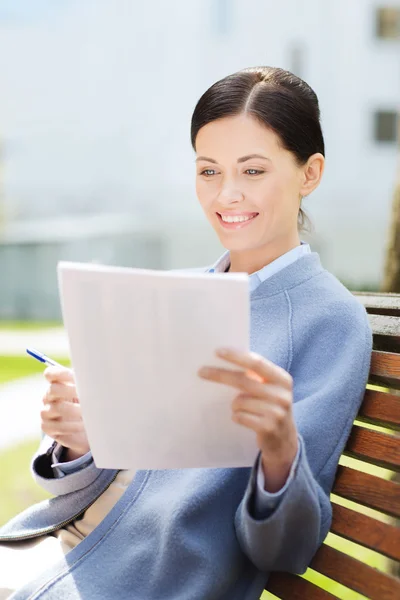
[(95, 106), (96, 163)]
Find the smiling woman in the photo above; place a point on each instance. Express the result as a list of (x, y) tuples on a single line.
[(260, 150), (218, 533)]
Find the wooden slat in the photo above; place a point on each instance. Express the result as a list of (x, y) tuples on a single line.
[(385, 369), (365, 530), (384, 325), (375, 447), (292, 587), (355, 574), (386, 333), (380, 409), (380, 304), (368, 490), (386, 330)]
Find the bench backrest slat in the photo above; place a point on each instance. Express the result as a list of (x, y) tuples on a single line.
[(370, 533), (379, 304), (381, 409), (368, 490), (355, 574), (375, 447), (385, 325), (291, 587), (385, 369)]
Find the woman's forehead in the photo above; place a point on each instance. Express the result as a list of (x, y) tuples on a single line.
[(236, 137)]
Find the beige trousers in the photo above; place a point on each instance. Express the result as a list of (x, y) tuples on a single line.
[(23, 560)]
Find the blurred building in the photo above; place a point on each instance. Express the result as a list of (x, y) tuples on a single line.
[(95, 106), (30, 250)]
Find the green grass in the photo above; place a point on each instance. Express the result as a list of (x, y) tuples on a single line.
[(14, 367), (28, 325), (18, 490)]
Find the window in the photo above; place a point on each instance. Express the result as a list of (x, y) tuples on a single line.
[(388, 23), (385, 126)]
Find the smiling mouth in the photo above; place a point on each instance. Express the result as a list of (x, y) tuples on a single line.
[(236, 221)]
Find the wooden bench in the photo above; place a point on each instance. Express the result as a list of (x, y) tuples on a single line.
[(382, 408)]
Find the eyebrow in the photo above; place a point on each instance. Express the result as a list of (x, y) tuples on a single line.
[(242, 159)]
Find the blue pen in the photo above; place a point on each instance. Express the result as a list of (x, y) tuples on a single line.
[(42, 357)]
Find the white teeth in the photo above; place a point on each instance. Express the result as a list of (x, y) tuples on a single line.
[(237, 219)]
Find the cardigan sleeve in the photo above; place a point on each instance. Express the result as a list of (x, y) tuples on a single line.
[(265, 502), (48, 478), (330, 367)]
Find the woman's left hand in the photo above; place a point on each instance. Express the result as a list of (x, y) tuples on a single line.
[(264, 404)]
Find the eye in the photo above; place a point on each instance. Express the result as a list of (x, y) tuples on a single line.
[(254, 171), (206, 172)]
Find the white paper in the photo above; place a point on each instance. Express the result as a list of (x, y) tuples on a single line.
[(137, 339)]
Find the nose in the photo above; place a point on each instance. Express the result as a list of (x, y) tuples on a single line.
[(230, 194)]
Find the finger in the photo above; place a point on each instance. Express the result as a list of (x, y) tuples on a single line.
[(61, 411), (239, 380), (50, 412), (246, 403), (273, 419), (263, 367), (56, 428), (256, 406), (236, 379), (253, 422), (273, 397), (60, 391), (59, 374)]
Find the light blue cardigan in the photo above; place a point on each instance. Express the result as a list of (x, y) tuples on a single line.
[(195, 534)]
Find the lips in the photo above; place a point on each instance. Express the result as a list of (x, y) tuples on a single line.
[(237, 213), (238, 224)]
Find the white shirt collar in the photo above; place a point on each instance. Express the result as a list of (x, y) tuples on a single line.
[(276, 265)]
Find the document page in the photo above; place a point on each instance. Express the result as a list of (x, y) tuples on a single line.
[(137, 339)]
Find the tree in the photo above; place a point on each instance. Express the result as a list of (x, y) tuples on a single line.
[(391, 279), (2, 210)]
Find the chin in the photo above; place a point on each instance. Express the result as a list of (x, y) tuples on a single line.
[(235, 244)]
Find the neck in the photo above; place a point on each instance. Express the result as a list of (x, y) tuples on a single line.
[(250, 261)]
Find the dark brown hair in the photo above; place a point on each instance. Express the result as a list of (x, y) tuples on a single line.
[(278, 99)]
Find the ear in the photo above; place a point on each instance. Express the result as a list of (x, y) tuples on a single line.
[(312, 173)]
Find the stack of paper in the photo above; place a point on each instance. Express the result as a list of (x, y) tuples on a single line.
[(137, 339)]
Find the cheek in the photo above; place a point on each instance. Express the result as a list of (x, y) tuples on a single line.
[(275, 194), (198, 189), (268, 195), (204, 193)]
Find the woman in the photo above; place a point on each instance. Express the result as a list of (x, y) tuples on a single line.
[(217, 533)]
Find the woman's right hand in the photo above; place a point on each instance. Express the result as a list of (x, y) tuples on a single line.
[(61, 416)]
